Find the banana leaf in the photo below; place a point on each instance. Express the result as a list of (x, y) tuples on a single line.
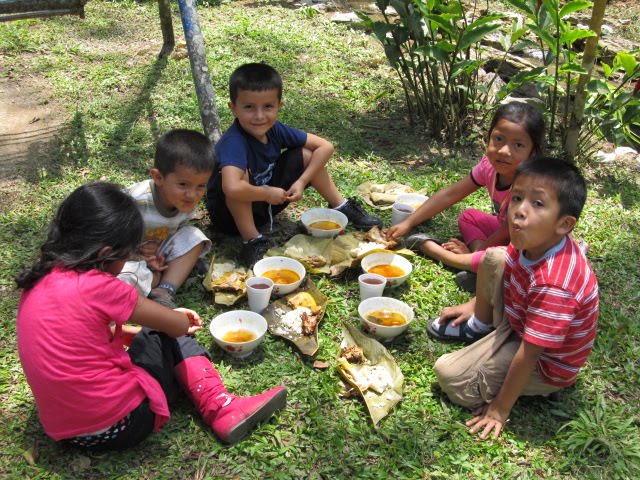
[(313, 252), (219, 268), (276, 312), (379, 403), (383, 195)]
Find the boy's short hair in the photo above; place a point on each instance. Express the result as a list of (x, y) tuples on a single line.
[(564, 177), (254, 77), (188, 148)]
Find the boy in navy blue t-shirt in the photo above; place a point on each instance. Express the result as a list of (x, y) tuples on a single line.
[(263, 165)]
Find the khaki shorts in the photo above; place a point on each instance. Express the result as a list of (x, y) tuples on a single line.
[(474, 375)]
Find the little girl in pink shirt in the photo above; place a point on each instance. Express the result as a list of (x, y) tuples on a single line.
[(89, 391), (515, 134)]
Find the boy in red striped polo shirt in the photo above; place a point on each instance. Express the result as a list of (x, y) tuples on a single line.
[(541, 295)]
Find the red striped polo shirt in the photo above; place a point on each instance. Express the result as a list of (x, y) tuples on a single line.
[(553, 303)]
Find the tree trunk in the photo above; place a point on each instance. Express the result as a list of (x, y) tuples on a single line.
[(588, 60)]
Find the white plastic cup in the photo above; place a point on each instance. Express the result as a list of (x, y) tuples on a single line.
[(259, 292), (371, 285), (400, 211)]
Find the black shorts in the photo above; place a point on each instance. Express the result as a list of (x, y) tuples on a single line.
[(289, 168)]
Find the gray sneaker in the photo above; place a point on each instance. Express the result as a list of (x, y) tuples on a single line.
[(415, 241)]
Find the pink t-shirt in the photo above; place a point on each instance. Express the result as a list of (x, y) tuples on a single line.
[(484, 175), (553, 303), (81, 378)]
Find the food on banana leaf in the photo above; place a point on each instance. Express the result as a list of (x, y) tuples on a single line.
[(368, 377), (233, 281), (353, 354), (299, 321), (375, 235), (309, 322), (309, 260), (304, 299)]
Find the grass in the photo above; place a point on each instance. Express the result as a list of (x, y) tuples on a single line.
[(118, 97)]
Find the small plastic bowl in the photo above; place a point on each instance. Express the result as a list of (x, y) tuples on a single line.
[(384, 258), (238, 320), (277, 263), (414, 199), (327, 215), (382, 332)]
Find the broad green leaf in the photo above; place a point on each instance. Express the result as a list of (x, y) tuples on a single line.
[(485, 19), (551, 7), (631, 115), (572, 68), (625, 61), (574, 6), (524, 7), (393, 54), (471, 37), (571, 36), (432, 51), (400, 6), (445, 22), (607, 70), (465, 66)]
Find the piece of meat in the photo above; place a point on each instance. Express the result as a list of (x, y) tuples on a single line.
[(309, 323), (353, 354)]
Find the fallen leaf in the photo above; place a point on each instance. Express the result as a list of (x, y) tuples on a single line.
[(319, 364)]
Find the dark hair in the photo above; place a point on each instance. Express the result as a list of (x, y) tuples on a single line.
[(92, 217), (254, 77), (564, 177), (188, 148), (528, 116)]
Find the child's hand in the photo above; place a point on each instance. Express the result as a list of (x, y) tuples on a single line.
[(195, 323), (156, 263), (397, 231), (276, 196), (456, 246), (149, 248), (459, 313), (295, 192), (488, 418)]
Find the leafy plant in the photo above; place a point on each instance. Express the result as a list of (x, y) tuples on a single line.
[(434, 49), (605, 436), (610, 111)]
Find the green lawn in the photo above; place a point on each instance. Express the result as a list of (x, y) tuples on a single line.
[(117, 97)]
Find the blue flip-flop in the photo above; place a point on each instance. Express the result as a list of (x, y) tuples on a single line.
[(458, 334)]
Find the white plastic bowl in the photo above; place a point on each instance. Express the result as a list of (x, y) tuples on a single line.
[(323, 214), (384, 258), (384, 303), (274, 263), (414, 199), (238, 320)]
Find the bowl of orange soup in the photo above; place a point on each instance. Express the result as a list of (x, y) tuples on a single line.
[(395, 268), (238, 332), (385, 318), (287, 274), (324, 222)]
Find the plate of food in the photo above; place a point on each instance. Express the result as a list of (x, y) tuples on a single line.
[(297, 316)]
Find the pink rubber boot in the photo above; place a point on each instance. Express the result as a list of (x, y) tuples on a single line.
[(230, 417)]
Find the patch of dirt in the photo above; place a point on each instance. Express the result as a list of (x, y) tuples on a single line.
[(29, 120)]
